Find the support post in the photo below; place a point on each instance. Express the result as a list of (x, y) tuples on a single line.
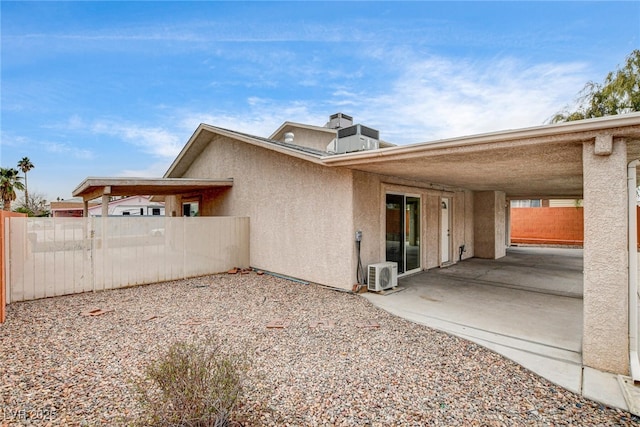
[(605, 337), (489, 227)]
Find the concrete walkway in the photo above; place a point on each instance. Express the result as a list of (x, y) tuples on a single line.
[(526, 306)]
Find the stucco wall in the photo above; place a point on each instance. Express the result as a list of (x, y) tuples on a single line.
[(490, 224), (369, 214), (463, 235), (300, 213), (605, 330), (316, 139)]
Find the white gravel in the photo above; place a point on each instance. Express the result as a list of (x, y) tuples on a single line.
[(61, 368)]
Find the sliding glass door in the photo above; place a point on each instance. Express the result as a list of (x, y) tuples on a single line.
[(403, 231)]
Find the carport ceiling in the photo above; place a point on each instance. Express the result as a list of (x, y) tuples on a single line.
[(527, 172), (541, 162)]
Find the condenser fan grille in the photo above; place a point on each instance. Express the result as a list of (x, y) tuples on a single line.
[(385, 277)]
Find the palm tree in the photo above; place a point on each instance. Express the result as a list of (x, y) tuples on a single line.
[(25, 166), (9, 183)]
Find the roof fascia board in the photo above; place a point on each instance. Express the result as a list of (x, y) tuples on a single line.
[(166, 182), (184, 150), (621, 126)]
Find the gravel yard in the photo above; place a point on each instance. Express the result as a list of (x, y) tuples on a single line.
[(70, 369)]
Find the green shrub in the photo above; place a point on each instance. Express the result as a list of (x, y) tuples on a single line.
[(192, 384)]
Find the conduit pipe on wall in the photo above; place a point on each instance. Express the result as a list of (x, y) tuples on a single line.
[(634, 362)]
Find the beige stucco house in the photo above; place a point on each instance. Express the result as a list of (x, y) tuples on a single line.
[(425, 205)]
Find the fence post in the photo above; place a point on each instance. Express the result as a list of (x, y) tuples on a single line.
[(3, 281), (5, 225)]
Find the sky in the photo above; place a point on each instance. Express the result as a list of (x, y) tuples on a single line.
[(110, 89)]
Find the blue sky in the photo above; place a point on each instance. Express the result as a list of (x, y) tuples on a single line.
[(117, 88)]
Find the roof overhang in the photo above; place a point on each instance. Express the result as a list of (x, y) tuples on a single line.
[(205, 134), (92, 188), (537, 162)]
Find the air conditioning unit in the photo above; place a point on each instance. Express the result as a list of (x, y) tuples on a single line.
[(354, 138), (383, 275)]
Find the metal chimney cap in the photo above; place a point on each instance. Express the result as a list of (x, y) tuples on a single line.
[(288, 137)]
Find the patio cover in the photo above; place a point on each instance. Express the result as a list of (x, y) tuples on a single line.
[(538, 162), (92, 188)]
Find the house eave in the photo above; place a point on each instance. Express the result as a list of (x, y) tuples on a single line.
[(579, 131)]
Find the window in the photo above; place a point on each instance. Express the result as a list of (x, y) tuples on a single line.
[(535, 203)]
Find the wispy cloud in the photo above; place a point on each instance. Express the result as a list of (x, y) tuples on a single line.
[(439, 98), (157, 141), (154, 170), (68, 149), (11, 140), (261, 117), (30, 147), (428, 99)]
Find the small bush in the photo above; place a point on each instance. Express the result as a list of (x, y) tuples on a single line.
[(192, 385)]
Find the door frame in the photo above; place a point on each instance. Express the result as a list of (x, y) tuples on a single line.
[(448, 199), (405, 194)]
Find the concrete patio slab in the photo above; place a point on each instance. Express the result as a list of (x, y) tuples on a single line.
[(526, 306)]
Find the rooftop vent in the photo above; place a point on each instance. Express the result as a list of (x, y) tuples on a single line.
[(338, 121), (354, 138), (288, 137)]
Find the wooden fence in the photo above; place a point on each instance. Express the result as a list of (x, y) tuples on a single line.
[(561, 226), (58, 256)]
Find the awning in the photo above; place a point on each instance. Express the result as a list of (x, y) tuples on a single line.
[(92, 188)]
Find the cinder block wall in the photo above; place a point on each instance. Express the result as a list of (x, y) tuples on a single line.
[(560, 226)]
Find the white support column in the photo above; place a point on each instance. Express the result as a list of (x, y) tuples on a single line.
[(605, 313), (105, 205), (106, 193), (173, 205), (632, 188)]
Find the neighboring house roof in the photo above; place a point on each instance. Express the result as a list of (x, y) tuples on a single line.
[(528, 163), (55, 206), (128, 203)]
